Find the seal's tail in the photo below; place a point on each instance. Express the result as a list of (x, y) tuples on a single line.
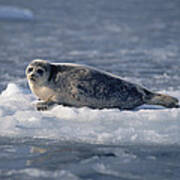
[(164, 100)]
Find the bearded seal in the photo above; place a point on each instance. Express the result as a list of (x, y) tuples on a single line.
[(78, 85)]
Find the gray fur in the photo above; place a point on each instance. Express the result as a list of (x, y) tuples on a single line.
[(78, 86)]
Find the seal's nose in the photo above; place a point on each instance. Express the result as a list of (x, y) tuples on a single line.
[(32, 77)]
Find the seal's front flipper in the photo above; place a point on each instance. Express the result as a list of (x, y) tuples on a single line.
[(44, 106)]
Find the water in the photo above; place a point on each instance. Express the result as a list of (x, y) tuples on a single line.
[(137, 40)]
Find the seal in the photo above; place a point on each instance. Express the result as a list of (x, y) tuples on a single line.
[(78, 85)]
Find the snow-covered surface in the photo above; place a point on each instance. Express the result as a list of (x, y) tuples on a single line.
[(146, 125)]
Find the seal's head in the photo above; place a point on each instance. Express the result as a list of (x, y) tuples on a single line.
[(38, 72)]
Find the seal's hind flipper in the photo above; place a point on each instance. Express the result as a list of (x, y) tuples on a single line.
[(164, 100)]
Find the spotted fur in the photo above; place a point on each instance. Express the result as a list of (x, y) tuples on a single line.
[(78, 86)]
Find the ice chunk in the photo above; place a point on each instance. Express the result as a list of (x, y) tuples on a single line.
[(15, 13)]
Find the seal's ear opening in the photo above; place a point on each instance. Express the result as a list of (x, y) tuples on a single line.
[(53, 72)]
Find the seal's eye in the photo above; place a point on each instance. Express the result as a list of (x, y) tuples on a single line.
[(30, 69), (40, 71)]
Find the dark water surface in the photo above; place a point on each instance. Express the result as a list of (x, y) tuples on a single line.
[(49, 159)]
